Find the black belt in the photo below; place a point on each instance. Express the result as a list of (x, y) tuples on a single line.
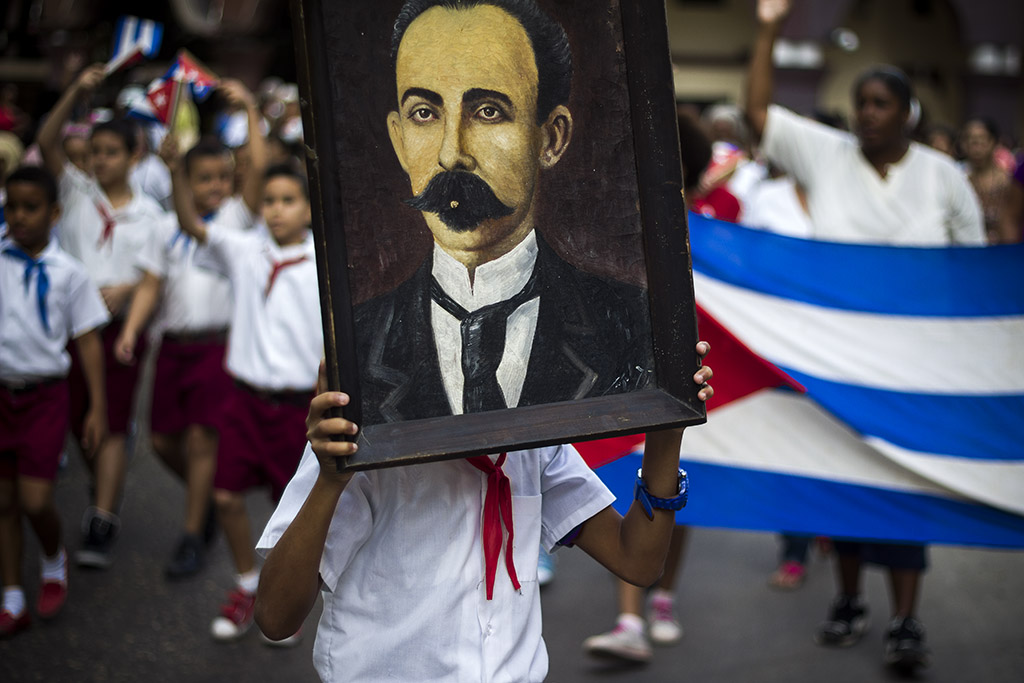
[(199, 337), (293, 397), (16, 388)]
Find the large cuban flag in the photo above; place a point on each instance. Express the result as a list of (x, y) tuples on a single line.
[(861, 391)]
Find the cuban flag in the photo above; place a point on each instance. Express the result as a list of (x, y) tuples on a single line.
[(889, 403), (188, 69), (134, 39)]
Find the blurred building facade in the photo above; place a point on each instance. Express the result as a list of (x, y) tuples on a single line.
[(964, 56)]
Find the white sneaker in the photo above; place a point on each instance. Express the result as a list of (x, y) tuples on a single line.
[(663, 629), (619, 643), (545, 567)]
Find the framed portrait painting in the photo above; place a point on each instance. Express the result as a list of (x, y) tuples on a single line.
[(501, 238)]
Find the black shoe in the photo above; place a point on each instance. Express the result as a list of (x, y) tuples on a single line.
[(99, 529), (188, 559), (905, 650), (847, 620)]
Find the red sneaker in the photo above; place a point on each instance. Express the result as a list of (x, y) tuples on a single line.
[(52, 596), (236, 616), (10, 625)]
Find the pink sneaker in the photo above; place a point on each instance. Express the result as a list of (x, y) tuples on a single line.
[(52, 597), (236, 616)]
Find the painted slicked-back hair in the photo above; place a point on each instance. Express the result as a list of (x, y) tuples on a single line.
[(550, 44), (38, 176), (205, 148), (288, 171), (126, 129), (892, 78)]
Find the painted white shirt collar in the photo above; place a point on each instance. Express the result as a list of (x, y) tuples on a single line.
[(494, 281)]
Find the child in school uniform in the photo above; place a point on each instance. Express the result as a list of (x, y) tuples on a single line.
[(409, 563), (274, 350), (46, 299), (193, 313), (105, 224)]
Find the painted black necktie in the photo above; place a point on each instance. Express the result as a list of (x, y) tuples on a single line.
[(483, 344)]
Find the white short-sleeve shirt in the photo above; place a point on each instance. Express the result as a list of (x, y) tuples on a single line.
[(108, 261), (276, 340), (404, 549), (194, 299), (923, 200), (73, 307)]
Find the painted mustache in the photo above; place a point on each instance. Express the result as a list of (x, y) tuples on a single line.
[(460, 199)]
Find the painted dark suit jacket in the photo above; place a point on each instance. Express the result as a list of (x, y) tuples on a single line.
[(591, 340)]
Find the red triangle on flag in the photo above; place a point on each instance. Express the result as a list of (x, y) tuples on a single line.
[(161, 98), (739, 372), (189, 70)]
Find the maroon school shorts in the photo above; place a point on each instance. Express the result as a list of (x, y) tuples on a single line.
[(33, 426), (121, 381), (261, 440), (191, 385)]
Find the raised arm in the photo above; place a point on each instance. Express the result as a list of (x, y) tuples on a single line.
[(634, 547), (252, 185), (181, 192), (290, 578), (49, 136), (760, 74)]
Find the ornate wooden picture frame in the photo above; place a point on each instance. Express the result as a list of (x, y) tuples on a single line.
[(581, 157)]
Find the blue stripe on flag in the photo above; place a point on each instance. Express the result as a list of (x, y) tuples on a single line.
[(983, 427), (740, 498), (834, 275)]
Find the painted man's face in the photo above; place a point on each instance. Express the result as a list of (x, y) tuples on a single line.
[(467, 93)]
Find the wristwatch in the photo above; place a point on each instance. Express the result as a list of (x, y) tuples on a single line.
[(650, 502)]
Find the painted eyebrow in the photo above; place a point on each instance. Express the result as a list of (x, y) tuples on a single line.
[(477, 94), (428, 95)]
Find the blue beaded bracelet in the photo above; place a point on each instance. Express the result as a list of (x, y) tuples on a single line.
[(650, 502)]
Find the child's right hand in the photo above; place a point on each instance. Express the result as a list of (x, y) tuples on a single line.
[(170, 152), (321, 430), (90, 78)]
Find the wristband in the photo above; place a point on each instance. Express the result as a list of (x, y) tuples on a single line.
[(650, 502)]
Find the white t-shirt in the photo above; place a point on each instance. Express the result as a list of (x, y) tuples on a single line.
[(493, 282), (193, 299), (276, 340), (73, 307), (403, 567), (773, 205), (923, 200), (108, 261), (152, 178)]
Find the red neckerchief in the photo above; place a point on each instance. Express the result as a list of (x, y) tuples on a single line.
[(278, 267), (108, 224), (497, 509)]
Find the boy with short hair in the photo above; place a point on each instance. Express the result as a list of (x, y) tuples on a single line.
[(274, 349), (46, 299), (191, 385), (105, 224)]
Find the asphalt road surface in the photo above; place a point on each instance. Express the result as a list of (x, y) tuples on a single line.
[(129, 624)]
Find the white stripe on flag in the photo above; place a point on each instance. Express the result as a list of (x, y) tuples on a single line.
[(784, 432), (992, 482), (860, 348)]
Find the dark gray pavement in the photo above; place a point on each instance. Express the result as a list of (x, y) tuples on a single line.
[(129, 624)]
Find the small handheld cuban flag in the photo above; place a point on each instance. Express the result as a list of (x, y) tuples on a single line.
[(188, 69), (134, 39)]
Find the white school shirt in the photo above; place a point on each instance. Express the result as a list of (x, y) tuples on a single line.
[(403, 567), (276, 342), (493, 282), (114, 261), (774, 205), (923, 200), (73, 307), (193, 299)]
